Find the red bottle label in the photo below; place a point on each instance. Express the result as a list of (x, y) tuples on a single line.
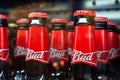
[(4, 55), (21, 43), (103, 56), (119, 45), (70, 51), (58, 47), (20, 51), (4, 49), (88, 58), (41, 56), (61, 54), (84, 46), (37, 44), (113, 53), (70, 42), (102, 46)]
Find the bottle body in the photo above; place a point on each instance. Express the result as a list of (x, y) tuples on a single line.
[(58, 50), (81, 68), (101, 38), (58, 54), (37, 47), (37, 42), (84, 54), (4, 47), (112, 48), (70, 44), (20, 53)]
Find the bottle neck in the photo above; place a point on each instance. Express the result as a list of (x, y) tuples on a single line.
[(101, 25), (84, 20), (38, 22), (23, 26), (58, 26), (70, 28), (3, 23), (118, 31), (111, 28)]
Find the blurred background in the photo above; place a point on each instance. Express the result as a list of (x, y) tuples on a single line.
[(60, 8)]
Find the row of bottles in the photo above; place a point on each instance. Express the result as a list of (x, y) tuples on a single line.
[(86, 49)]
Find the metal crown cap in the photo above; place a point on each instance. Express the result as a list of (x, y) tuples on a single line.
[(22, 21), (100, 19), (84, 13), (112, 23), (59, 20), (3, 16), (71, 23), (37, 15)]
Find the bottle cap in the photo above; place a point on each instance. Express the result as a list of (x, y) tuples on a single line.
[(37, 15), (112, 23), (59, 20), (100, 19), (22, 21), (3, 16), (84, 13)]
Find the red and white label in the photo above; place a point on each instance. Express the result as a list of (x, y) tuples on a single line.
[(113, 53), (86, 58), (70, 51), (118, 52), (41, 56), (102, 56), (61, 54), (4, 55), (20, 51)]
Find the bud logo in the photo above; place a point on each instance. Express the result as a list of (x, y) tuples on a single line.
[(20, 51), (113, 53), (37, 56), (58, 53), (87, 58), (4, 55), (102, 56), (69, 51)]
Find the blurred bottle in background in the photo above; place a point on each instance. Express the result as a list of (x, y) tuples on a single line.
[(37, 52), (70, 28), (4, 47), (84, 55), (112, 48), (12, 30), (58, 50), (101, 40), (20, 49), (118, 35)]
